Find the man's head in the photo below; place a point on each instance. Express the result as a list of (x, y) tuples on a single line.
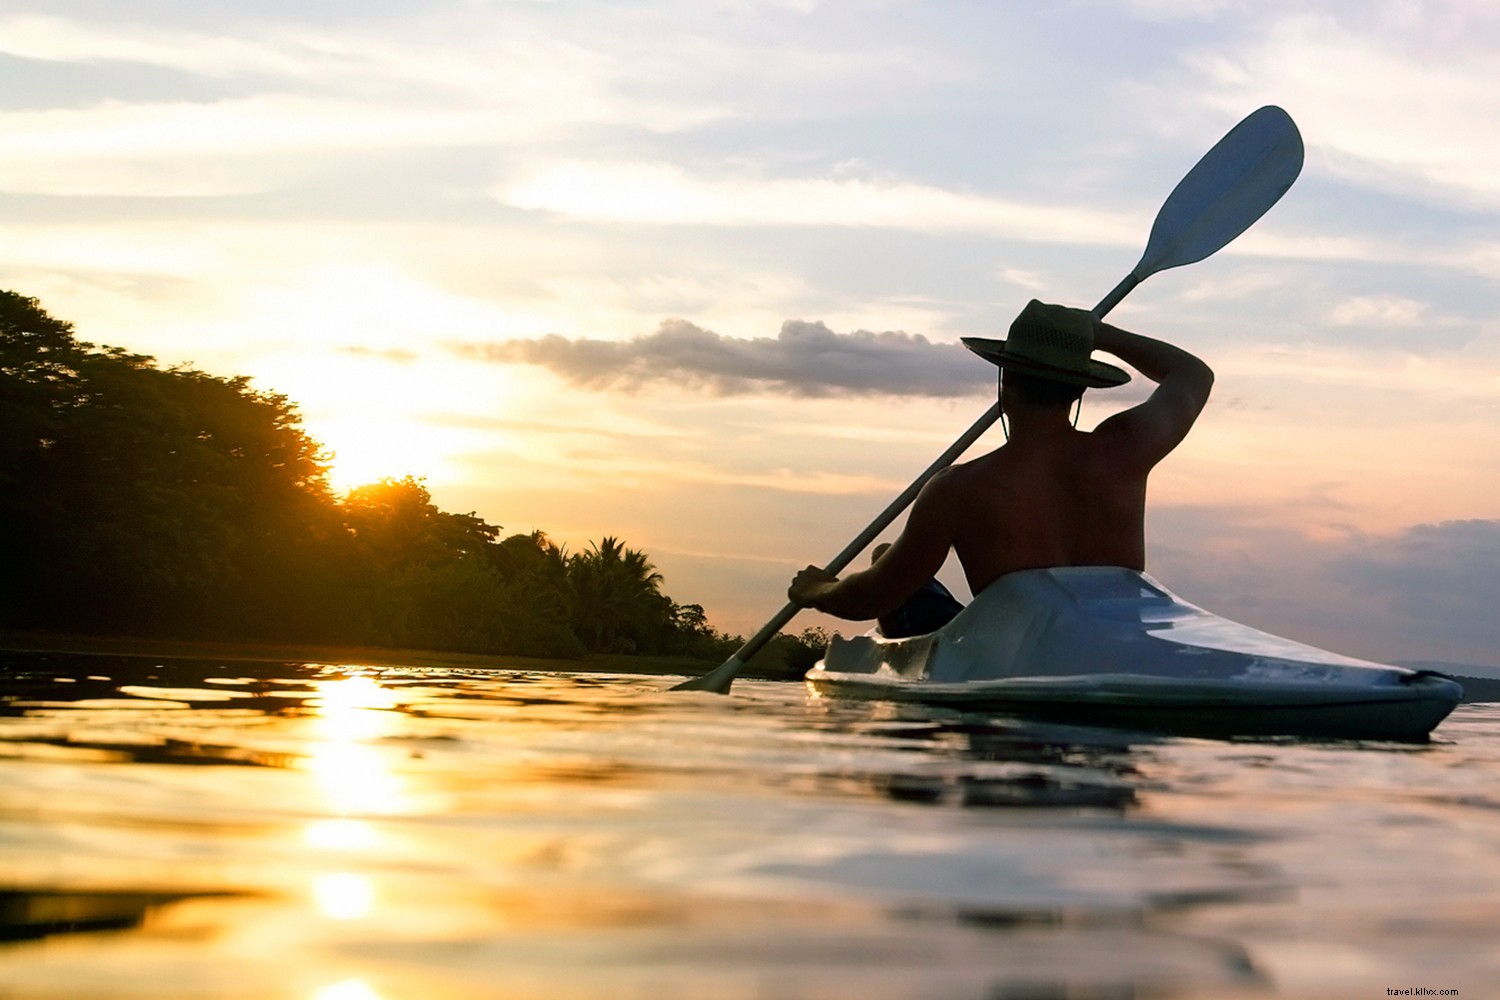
[(1046, 359), (1040, 392)]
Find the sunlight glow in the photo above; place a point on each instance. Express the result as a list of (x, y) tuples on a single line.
[(366, 447), (340, 835), (348, 989), (349, 708), (356, 777), (344, 895), (379, 414)]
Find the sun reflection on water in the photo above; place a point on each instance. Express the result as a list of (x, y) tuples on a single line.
[(348, 989), (355, 777), (352, 708), (344, 895), (340, 835)]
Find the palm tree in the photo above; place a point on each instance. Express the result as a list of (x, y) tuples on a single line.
[(618, 603)]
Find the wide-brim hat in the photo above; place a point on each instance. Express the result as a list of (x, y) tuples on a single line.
[(1051, 342)]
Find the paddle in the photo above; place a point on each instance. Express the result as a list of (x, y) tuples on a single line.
[(1232, 186)]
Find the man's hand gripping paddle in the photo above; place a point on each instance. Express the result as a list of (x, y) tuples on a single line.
[(1234, 184)]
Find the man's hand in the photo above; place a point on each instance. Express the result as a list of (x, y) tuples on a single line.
[(811, 585)]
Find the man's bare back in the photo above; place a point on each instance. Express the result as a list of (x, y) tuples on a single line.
[(1051, 496), (1062, 502)]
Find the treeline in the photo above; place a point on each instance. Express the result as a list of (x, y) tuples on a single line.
[(163, 501)]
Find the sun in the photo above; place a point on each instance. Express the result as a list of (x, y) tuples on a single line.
[(380, 414), (365, 447)]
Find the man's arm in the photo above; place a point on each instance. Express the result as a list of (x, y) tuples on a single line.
[(912, 560), (1144, 434)]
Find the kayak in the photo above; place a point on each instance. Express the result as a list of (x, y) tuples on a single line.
[(1104, 645)]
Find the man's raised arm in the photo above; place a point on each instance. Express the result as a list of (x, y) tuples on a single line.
[(1152, 429)]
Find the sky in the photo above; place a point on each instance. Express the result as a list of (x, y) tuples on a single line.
[(692, 273)]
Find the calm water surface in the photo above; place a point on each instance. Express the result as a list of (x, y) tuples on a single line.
[(187, 829)]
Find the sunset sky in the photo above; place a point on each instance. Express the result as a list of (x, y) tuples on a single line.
[(693, 272)]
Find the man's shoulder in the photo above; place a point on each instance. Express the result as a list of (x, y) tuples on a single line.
[(964, 476)]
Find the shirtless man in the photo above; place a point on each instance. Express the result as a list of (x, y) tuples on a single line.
[(1052, 495)]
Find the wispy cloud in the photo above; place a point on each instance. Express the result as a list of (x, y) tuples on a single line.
[(468, 58), (256, 93), (1397, 96), (663, 193), (395, 355), (804, 359), (1380, 310), (65, 40), (216, 148)]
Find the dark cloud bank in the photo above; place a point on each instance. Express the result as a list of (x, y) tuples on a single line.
[(1441, 577), (1427, 592), (804, 359)]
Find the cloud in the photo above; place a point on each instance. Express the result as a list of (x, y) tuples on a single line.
[(1425, 591), (1176, 10), (804, 359), (1433, 577), (1394, 96), (1379, 310), (660, 193), (256, 94), (56, 39), (395, 355)]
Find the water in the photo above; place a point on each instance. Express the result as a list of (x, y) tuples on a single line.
[(184, 829)]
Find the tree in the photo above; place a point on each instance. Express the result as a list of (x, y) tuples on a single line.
[(140, 492), (38, 378), (395, 524), (151, 500), (690, 634), (617, 601)]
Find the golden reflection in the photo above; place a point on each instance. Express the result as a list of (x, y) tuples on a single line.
[(352, 708), (356, 779), (349, 989), (344, 895), (355, 776), (340, 835)]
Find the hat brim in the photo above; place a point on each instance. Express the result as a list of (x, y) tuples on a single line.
[(1097, 375)]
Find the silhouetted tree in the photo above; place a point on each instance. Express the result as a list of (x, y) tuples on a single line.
[(148, 500), (139, 489), (617, 601), (690, 634)]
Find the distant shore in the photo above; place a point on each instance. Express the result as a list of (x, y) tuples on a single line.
[(47, 642)]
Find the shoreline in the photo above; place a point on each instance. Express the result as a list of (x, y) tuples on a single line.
[(14, 641)]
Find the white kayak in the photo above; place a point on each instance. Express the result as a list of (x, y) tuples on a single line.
[(1105, 645)]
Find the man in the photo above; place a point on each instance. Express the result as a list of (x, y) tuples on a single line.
[(1052, 495)]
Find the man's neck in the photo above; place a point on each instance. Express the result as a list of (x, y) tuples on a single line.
[(1039, 422)]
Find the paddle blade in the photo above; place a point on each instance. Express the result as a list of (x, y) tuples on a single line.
[(717, 680), (1234, 184)]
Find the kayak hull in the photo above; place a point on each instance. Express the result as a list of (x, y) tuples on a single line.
[(1111, 646)]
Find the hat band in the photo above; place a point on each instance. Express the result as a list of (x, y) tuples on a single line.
[(1047, 366)]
